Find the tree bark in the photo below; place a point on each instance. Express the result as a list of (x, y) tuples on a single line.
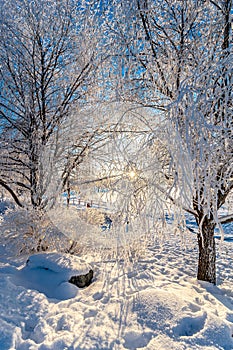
[(34, 173), (207, 252)]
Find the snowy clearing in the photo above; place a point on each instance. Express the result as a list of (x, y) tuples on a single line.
[(151, 302)]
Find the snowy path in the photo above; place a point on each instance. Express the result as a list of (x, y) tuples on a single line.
[(153, 302)]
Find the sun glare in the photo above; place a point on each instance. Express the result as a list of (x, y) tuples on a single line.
[(132, 175)]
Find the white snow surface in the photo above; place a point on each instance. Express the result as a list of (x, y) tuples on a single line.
[(152, 301), (49, 273), (58, 263)]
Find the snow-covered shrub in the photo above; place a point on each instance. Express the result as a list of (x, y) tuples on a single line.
[(28, 231)]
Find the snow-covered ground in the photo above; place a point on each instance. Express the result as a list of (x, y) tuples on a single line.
[(151, 300)]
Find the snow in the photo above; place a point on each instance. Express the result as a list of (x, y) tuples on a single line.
[(49, 273), (150, 302), (58, 263)]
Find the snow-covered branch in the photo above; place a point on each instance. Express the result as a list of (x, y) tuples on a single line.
[(226, 219)]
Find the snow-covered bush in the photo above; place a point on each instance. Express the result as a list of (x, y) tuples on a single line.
[(28, 231)]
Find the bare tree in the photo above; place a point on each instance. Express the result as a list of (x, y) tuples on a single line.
[(176, 57), (47, 65)]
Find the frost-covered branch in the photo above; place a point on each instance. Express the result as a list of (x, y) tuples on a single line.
[(12, 193), (225, 219)]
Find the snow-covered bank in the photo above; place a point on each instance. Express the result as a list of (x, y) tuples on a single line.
[(153, 302)]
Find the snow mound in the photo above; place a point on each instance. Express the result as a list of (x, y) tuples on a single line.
[(169, 312), (181, 318), (49, 273), (67, 264)]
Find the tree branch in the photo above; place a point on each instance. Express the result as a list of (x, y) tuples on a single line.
[(226, 219), (14, 196)]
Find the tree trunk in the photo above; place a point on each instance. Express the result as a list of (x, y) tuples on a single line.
[(68, 194), (35, 191), (36, 185), (207, 253)]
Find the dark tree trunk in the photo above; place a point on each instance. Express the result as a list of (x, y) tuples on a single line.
[(35, 190), (207, 252), (68, 194), (35, 146)]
